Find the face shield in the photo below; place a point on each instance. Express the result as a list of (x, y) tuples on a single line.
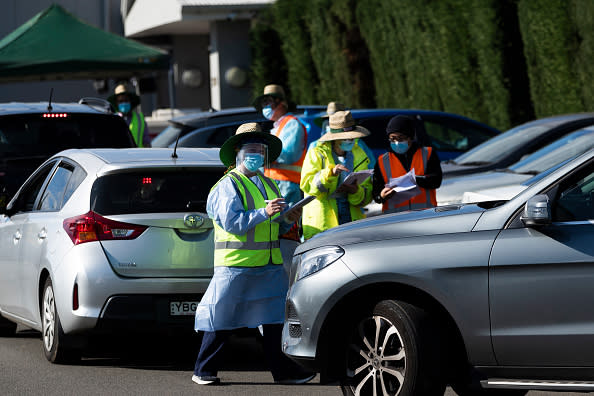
[(252, 156)]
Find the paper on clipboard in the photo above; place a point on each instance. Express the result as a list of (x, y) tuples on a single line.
[(294, 208), (405, 187), (358, 177)]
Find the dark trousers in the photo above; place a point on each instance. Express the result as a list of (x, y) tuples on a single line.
[(281, 367)]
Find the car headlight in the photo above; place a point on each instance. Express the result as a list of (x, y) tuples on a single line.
[(316, 259)]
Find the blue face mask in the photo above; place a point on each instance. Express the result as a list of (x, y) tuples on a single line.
[(347, 145), (124, 107), (253, 161), (399, 147), (267, 112)]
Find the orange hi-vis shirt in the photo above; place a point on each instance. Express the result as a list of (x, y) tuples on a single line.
[(391, 167), (290, 172)]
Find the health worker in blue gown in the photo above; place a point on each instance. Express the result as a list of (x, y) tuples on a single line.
[(249, 285)]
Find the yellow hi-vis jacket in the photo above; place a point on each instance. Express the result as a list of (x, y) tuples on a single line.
[(317, 179), (137, 127), (259, 244)]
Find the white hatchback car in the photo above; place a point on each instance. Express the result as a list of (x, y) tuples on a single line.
[(102, 239)]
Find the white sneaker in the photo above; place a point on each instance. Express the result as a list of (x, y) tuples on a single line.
[(206, 380)]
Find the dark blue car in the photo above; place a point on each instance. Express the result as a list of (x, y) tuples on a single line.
[(450, 134)]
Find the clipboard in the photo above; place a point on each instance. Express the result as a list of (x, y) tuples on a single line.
[(358, 177), (294, 208)]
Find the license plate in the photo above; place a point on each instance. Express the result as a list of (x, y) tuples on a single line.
[(180, 308)]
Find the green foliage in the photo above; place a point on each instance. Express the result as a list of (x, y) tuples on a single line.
[(582, 15), (302, 80), (501, 62), (268, 63), (339, 54), (550, 45)]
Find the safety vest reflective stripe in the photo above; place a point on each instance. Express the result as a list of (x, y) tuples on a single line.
[(249, 245), (294, 168), (290, 172), (137, 123), (391, 167), (251, 233)]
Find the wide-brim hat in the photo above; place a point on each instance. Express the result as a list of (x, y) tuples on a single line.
[(342, 126), (123, 89), (332, 108), (245, 132), (275, 91)]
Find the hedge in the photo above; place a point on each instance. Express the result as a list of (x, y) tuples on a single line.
[(501, 62)]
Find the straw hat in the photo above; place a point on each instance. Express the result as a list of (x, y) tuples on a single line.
[(245, 132), (342, 126), (332, 108), (120, 89), (275, 91)]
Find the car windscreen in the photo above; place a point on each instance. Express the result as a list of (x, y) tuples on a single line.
[(557, 152), (499, 147), (154, 190), (31, 135)]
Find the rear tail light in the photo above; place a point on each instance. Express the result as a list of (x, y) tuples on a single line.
[(92, 227)]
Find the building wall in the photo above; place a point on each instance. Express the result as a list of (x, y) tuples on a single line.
[(190, 54), (229, 47)]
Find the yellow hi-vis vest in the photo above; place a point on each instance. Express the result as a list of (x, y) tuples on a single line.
[(137, 127), (259, 244), (317, 179)]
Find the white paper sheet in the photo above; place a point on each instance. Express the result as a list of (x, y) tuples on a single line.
[(405, 187)]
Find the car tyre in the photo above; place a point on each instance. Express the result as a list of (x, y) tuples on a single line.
[(393, 350), (52, 335), (7, 328)]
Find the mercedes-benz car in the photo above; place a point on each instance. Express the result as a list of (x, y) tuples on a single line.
[(107, 241), (490, 298)]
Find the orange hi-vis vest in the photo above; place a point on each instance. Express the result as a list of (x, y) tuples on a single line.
[(290, 172), (391, 167)]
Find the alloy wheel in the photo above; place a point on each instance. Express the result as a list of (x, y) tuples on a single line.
[(49, 318), (376, 360)]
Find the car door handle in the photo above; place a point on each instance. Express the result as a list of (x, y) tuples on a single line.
[(42, 234), (17, 236)]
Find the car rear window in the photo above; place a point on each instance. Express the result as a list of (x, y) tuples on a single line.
[(25, 135), (154, 191)]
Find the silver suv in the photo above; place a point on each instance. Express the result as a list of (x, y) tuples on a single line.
[(491, 298)]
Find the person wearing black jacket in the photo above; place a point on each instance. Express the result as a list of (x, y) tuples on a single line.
[(405, 154)]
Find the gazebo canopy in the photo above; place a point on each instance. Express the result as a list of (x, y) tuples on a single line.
[(54, 44)]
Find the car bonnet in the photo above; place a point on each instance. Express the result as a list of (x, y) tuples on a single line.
[(440, 220)]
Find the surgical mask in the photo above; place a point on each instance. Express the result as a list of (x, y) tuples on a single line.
[(267, 112), (347, 145), (399, 147), (124, 107), (253, 161)]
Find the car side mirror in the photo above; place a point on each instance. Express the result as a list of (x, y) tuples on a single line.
[(537, 211)]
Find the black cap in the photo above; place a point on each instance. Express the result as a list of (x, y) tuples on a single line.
[(401, 124)]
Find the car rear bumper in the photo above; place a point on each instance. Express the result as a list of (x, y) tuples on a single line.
[(145, 314), (107, 301)]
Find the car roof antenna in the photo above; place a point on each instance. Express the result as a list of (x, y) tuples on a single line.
[(49, 104), (174, 155)]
